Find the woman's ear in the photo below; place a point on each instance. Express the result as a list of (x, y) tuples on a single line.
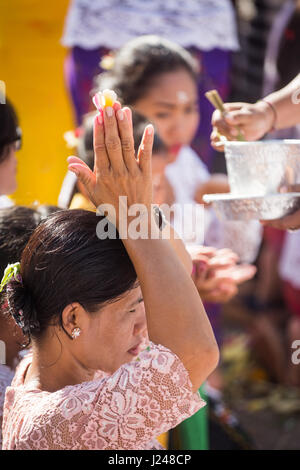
[(72, 316)]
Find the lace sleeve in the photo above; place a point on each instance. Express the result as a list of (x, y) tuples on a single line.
[(144, 399), (125, 410)]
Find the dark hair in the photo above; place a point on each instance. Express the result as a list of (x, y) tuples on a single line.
[(85, 147), (140, 62), (139, 123), (9, 128), (17, 223), (64, 262)]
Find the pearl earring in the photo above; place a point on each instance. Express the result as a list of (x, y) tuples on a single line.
[(75, 332)]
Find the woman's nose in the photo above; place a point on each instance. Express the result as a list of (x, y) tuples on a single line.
[(178, 130), (141, 323)]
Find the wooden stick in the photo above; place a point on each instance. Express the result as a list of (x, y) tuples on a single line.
[(217, 102), (215, 99)]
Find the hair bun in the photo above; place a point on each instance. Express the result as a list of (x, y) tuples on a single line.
[(21, 307)]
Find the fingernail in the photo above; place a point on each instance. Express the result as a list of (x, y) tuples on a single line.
[(150, 129), (234, 132), (109, 111), (100, 118), (120, 114), (71, 168)]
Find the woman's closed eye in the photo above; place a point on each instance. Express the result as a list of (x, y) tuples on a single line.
[(192, 109), (138, 302)]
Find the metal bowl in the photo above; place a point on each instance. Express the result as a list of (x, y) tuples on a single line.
[(243, 207), (259, 168)]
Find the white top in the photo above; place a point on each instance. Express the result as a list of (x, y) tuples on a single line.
[(206, 24), (289, 266), (185, 175)]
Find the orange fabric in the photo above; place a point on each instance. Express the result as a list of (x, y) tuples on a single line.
[(163, 439)]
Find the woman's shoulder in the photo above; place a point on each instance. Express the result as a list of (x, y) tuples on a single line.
[(152, 364), (25, 361), (114, 411)]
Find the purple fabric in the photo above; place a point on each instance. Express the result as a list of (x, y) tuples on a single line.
[(80, 68), (214, 74), (214, 313)]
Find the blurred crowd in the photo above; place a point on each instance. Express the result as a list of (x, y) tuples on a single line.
[(160, 63)]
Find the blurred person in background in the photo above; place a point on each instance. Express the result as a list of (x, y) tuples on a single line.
[(207, 28), (10, 142)]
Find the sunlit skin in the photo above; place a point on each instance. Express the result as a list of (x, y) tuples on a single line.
[(176, 119), (8, 172), (109, 337)]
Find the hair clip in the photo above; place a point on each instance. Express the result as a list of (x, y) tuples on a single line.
[(11, 271)]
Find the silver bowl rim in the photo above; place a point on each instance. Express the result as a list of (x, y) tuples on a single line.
[(237, 143), (238, 197)]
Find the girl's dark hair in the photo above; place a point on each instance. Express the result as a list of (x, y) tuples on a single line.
[(139, 123), (140, 63), (64, 262), (85, 147), (9, 128)]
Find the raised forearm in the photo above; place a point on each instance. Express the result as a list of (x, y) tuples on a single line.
[(175, 314), (287, 104), (180, 249)]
